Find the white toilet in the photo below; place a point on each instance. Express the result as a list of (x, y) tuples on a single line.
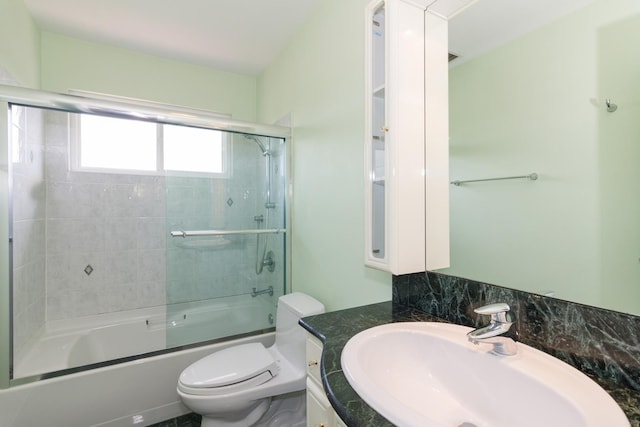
[(234, 386)]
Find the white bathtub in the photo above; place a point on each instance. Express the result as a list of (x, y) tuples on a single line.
[(94, 339), (82, 341), (136, 393)]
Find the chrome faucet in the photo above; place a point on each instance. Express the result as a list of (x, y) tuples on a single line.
[(501, 321)]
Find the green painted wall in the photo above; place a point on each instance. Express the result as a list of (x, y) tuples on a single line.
[(536, 104), (70, 63), (618, 68), (19, 43), (319, 79)]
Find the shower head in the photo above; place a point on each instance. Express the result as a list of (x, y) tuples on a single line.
[(265, 151)]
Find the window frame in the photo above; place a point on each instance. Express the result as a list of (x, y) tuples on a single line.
[(75, 150)]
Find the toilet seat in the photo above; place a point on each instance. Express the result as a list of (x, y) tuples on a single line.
[(229, 370)]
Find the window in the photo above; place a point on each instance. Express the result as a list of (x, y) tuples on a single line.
[(108, 144), (193, 149), (18, 133)]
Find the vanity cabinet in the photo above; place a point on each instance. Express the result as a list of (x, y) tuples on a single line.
[(406, 137), (319, 410)]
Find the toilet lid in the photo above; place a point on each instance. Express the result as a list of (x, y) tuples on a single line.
[(231, 366)]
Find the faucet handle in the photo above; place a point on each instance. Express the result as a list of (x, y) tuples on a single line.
[(499, 312)]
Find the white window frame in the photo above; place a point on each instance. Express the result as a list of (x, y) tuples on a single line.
[(75, 148)]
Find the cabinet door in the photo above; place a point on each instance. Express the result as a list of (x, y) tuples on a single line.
[(376, 151), (314, 353), (319, 410), (437, 141), (406, 137), (339, 422), (394, 137)]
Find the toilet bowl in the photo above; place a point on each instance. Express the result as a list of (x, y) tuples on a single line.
[(233, 387)]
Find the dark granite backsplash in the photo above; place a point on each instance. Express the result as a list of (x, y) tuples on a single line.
[(601, 343)]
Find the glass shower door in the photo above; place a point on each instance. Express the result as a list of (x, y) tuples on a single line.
[(225, 235), (127, 237)]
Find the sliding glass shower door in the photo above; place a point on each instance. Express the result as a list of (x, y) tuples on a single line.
[(130, 237), (226, 240)]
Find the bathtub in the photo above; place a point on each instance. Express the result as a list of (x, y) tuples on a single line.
[(72, 343), (136, 392)]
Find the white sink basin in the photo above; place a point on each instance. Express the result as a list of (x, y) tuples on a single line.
[(428, 375)]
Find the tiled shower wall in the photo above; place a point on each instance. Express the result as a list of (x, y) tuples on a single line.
[(210, 267), (28, 201), (107, 246), (105, 235)]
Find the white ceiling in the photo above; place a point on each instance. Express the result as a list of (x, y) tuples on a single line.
[(244, 36), (241, 36), (487, 24)]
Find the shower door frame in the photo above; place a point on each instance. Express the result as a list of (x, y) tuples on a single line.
[(134, 109)]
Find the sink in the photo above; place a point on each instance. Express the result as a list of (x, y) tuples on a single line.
[(429, 375)]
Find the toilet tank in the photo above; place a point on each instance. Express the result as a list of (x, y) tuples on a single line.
[(290, 337)]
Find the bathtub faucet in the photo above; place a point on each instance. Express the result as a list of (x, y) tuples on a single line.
[(256, 292), (501, 321)]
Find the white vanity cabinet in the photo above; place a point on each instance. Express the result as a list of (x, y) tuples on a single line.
[(319, 410), (406, 137)]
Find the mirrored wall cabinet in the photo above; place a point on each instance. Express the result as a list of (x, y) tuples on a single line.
[(406, 134)]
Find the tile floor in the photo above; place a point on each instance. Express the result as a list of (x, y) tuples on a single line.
[(189, 420)]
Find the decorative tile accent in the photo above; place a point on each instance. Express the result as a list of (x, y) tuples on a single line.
[(229, 201), (88, 270)]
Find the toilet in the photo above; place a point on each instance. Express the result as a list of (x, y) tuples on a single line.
[(234, 387)]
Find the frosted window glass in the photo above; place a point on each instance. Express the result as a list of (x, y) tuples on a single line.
[(18, 130), (113, 143), (192, 149)]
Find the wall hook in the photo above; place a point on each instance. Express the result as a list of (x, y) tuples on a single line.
[(610, 106)]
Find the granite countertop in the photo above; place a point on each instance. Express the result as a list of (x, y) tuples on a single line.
[(334, 329)]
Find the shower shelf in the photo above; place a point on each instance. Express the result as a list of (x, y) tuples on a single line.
[(195, 233), (216, 242)]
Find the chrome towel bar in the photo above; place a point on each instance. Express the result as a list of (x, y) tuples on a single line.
[(257, 292), (532, 177), (195, 233)]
